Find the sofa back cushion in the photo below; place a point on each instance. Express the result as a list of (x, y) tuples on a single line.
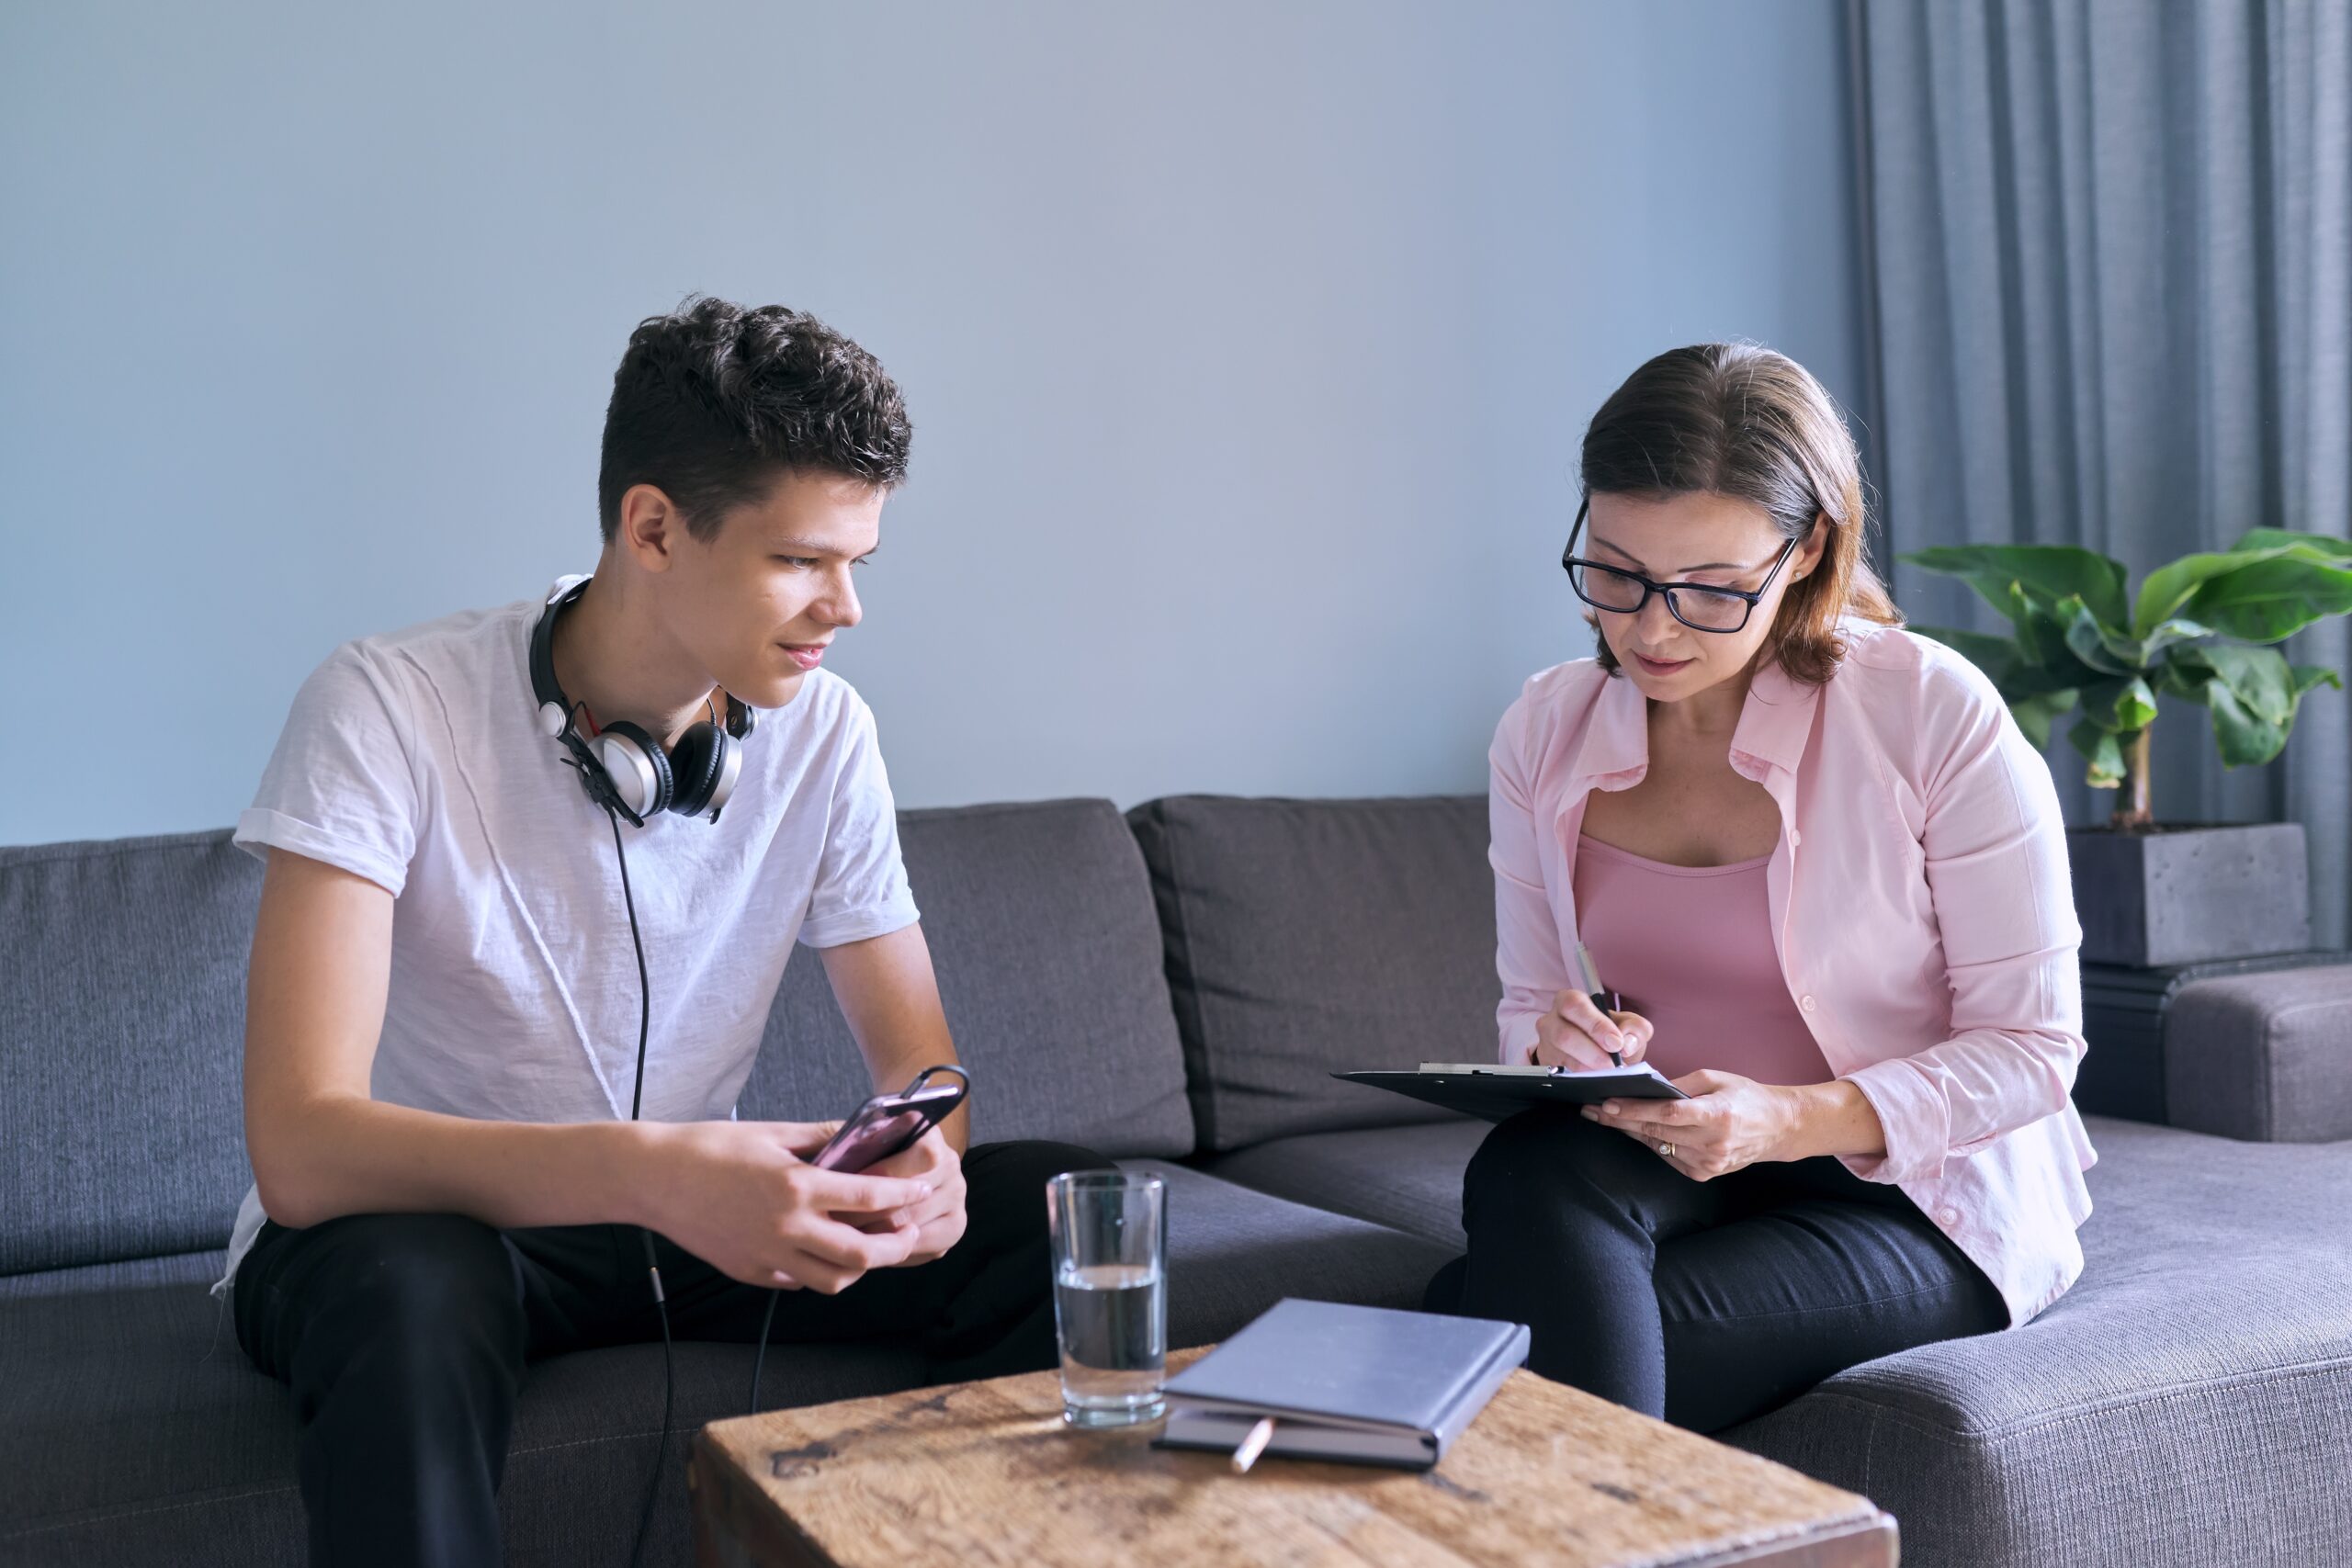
[(123, 1022), (1039, 919), (1306, 938), (123, 1004)]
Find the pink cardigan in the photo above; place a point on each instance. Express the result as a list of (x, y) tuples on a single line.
[(1921, 907)]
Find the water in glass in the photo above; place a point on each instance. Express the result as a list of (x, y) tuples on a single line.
[(1114, 1324)]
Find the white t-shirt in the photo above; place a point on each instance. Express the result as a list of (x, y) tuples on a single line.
[(415, 759)]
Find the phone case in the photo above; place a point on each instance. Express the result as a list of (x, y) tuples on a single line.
[(891, 1124)]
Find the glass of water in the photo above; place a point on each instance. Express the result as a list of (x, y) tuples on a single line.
[(1110, 1241)]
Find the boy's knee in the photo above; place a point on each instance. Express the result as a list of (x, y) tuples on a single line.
[(1007, 1181), (1030, 1164), (398, 1307), (421, 1274)]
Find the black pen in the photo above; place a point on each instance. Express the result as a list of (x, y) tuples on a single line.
[(1592, 989)]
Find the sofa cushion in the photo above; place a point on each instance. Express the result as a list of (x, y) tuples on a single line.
[(1306, 938), (2207, 1349), (122, 1007), (133, 1429), (1040, 922), (1232, 1253), (1408, 1178), (122, 1016), (2188, 1401)]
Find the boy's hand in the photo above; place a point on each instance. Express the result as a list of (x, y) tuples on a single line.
[(939, 1220), (740, 1196)]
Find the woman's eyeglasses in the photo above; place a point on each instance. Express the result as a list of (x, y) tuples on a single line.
[(1621, 592)]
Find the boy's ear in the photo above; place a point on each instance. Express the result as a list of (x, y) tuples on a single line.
[(649, 525)]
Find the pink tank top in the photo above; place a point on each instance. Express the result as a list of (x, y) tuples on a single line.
[(1689, 948)]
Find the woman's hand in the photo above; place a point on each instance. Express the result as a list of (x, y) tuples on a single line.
[(1577, 1034), (1728, 1122)]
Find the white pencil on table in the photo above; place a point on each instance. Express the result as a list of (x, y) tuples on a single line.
[(1252, 1445)]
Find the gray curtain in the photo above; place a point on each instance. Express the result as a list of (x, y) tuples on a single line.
[(2110, 253)]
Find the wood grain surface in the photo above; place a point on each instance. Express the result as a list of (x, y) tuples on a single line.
[(985, 1474)]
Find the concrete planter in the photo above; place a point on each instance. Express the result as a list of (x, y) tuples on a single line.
[(2188, 895)]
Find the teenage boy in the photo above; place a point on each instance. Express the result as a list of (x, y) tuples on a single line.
[(457, 1112)]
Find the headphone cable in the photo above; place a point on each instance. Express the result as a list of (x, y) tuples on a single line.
[(761, 1354), (652, 1268)]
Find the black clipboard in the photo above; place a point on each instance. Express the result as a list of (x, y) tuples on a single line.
[(1498, 1097)]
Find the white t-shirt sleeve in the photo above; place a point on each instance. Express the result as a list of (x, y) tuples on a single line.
[(341, 787), (861, 888)]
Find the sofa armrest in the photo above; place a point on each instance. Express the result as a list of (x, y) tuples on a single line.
[(2265, 1057)]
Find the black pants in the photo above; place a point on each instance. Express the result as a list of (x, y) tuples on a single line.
[(404, 1337), (1704, 1303)]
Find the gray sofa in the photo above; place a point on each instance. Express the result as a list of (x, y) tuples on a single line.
[(1172, 988)]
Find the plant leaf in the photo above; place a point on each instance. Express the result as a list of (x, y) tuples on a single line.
[(2123, 706), (2253, 695), (2134, 707), (1992, 655), (2264, 597), (2093, 643), (2308, 676), (2105, 754), (2257, 677), (2013, 669), (2037, 712), (2168, 633), (2042, 639), (2043, 574), (2316, 547), (2184, 675), (2170, 586), (2245, 739)]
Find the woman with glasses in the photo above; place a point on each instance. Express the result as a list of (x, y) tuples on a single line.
[(1823, 879)]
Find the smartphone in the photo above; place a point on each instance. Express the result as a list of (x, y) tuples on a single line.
[(891, 1124)]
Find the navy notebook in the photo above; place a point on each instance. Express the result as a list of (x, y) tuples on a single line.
[(1364, 1385)]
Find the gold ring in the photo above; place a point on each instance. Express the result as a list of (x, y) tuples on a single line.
[(1667, 1149)]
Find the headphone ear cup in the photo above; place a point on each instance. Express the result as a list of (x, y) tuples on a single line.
[(695, 768), (637, 766), (590, 769)]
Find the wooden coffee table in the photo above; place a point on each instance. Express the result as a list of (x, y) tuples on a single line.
[(986, 1473)]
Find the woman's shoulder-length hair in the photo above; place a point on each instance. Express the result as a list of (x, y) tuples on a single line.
[(1738, 420)]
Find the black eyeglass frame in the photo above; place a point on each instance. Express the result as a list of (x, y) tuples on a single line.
[(1570, 560)]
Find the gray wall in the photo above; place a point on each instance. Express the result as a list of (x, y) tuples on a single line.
[(1247, 346)]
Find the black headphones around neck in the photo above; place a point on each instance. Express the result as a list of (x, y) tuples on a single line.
[(621, 766)]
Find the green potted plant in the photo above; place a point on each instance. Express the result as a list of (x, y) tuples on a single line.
[(2151, 893)]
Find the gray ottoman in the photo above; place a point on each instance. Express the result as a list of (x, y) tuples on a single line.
[(2263, 1056)]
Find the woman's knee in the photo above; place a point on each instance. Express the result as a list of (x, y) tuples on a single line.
[(1548, 1149)]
